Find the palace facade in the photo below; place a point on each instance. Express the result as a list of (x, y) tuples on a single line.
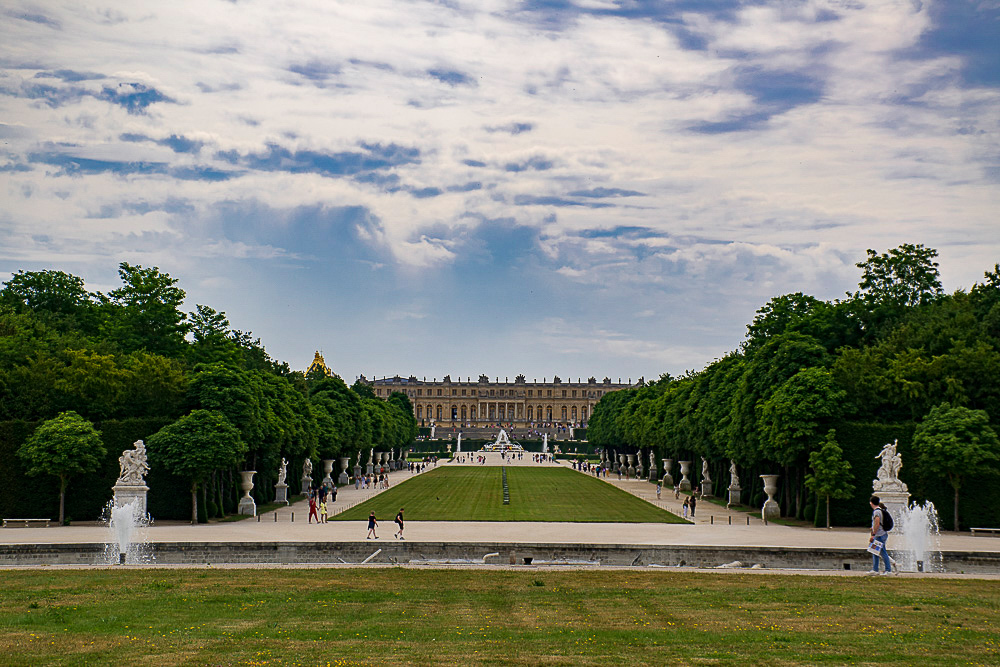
[(479, 403)]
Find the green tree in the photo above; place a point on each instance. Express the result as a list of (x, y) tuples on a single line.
[(211, 340), (144, 313), (58, 296), (831, 476), (904, 276), (194, 446), (63, 446), (343, 428), (407, 423), (956, 442)]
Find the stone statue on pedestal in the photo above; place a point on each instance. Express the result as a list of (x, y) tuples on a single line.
[(706, 478), (131, 485), (281, 488), (891, 490), (133, 465), (283, 471), (888, 472)]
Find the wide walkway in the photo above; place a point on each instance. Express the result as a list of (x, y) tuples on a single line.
[(711, 528)]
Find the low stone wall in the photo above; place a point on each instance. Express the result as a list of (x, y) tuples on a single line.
[(201, 553)]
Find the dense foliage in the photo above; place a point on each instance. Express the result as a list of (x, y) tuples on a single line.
[(133, 354), (872, 365)]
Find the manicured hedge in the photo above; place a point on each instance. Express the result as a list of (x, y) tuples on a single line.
[(86, 495), (979, 497)]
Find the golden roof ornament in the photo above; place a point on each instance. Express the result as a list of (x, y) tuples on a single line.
[(319, 365)]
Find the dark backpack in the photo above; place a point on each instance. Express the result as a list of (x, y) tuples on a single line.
[(887, 523)]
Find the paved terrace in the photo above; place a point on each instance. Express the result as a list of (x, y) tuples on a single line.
[(711, 526)]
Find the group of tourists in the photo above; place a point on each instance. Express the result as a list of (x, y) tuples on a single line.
[(317, 502)]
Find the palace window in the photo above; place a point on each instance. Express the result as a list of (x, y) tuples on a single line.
[(564, 393), (574, 393), (439, 393), (529, 393), (550, 392), (420, 392), (463, 392)]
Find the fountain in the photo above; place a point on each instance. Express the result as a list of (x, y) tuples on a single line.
[(502, 444), (127, 542), (917, 529)]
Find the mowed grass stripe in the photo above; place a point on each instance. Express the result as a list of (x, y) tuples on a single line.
[(466, 493)]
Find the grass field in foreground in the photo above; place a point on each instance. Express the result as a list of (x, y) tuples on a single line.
[(468, 493), (483, 617)]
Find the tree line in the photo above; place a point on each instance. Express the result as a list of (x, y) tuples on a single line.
[(67, 353), (898, 351)]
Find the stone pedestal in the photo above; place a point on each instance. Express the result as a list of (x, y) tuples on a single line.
[(344, 477), (706, 488), (685, 484), (771, 509), (126, 493), (668, 479), (617, 465), (307, 483), (247, 505), (357, 472), (327, 473), (653, 472), (895, 502), (735, 496), (639, 472), (281, 493)]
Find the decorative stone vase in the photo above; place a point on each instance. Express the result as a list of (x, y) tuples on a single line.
[(344, 478), (616, 465), (685, 484), (327, 473), (668, 479), (247, 505), (638, 465), (631, 466), (771, 509)]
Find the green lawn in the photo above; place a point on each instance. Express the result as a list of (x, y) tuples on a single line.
[(469, 493), (490, 617)]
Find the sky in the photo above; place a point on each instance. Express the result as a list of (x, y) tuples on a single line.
[(548, 187)]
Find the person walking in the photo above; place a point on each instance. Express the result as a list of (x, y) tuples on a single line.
[(322, 511), (399, 522), (694, 501), (312, 508), (878, 534), (372, 524), (684, 508), (659, 488)]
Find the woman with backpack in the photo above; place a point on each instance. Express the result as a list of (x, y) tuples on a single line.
[(881, 525)]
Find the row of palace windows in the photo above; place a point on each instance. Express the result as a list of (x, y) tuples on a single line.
[(500, 412), (502, 392)]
